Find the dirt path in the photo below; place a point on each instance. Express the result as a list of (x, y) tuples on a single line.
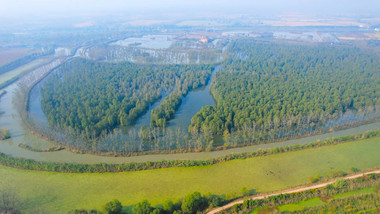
[(291, 191)]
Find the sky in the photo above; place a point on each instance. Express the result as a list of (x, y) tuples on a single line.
[(26, 9)]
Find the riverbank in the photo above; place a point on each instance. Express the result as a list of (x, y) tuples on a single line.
[(101, 168)]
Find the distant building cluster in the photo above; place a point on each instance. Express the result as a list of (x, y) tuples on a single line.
[(204, 39)]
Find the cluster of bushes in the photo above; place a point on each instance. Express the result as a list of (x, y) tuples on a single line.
[(192, 203), (340, 186), (4, 134), (103, 167)]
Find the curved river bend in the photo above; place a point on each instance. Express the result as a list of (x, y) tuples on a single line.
[(191, 104)]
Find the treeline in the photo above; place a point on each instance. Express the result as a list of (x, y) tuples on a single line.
[(104, 167), (268, 91), (188, 81), (93, 98), (349, 204), (190, 204)]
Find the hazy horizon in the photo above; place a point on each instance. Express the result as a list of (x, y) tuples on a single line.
[(25, 10)]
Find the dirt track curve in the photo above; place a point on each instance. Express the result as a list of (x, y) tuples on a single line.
[(290, 191)]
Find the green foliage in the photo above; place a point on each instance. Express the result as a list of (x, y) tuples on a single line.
[(83, 211), (142, 208), (354, 169), (314, 179), (339, 184), (337, 173), (193, 202), (157, 211), (113, 207), (267, 90), (170, 207), (4, 134), (217, 200), (245, 191)]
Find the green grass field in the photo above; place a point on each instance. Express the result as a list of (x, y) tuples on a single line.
[(313, 202), (61, 192), (356, 192)]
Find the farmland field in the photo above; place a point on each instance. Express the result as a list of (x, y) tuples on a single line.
[(20, 70), (61, 192), (7, 56)]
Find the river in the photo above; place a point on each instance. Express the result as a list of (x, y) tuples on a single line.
[(190, 105)]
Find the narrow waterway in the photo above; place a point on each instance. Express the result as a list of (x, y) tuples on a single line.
[(191, 104)]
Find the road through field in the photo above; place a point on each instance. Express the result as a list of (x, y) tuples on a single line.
[(290, 191)]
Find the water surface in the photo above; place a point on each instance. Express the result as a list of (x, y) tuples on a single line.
[(148, 41)]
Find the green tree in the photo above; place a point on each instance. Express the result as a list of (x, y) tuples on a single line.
[(193, 202), (113, 207), (142, 208), (169, 206)]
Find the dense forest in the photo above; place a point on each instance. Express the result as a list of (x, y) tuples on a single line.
[(94, 98), (268, 90), (263, 91)]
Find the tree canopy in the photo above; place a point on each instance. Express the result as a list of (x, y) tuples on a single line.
[(274, 90)]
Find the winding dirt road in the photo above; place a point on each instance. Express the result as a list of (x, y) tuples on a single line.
[(291, 191)]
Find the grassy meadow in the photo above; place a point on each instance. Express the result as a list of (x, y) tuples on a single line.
[(61, 192)]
